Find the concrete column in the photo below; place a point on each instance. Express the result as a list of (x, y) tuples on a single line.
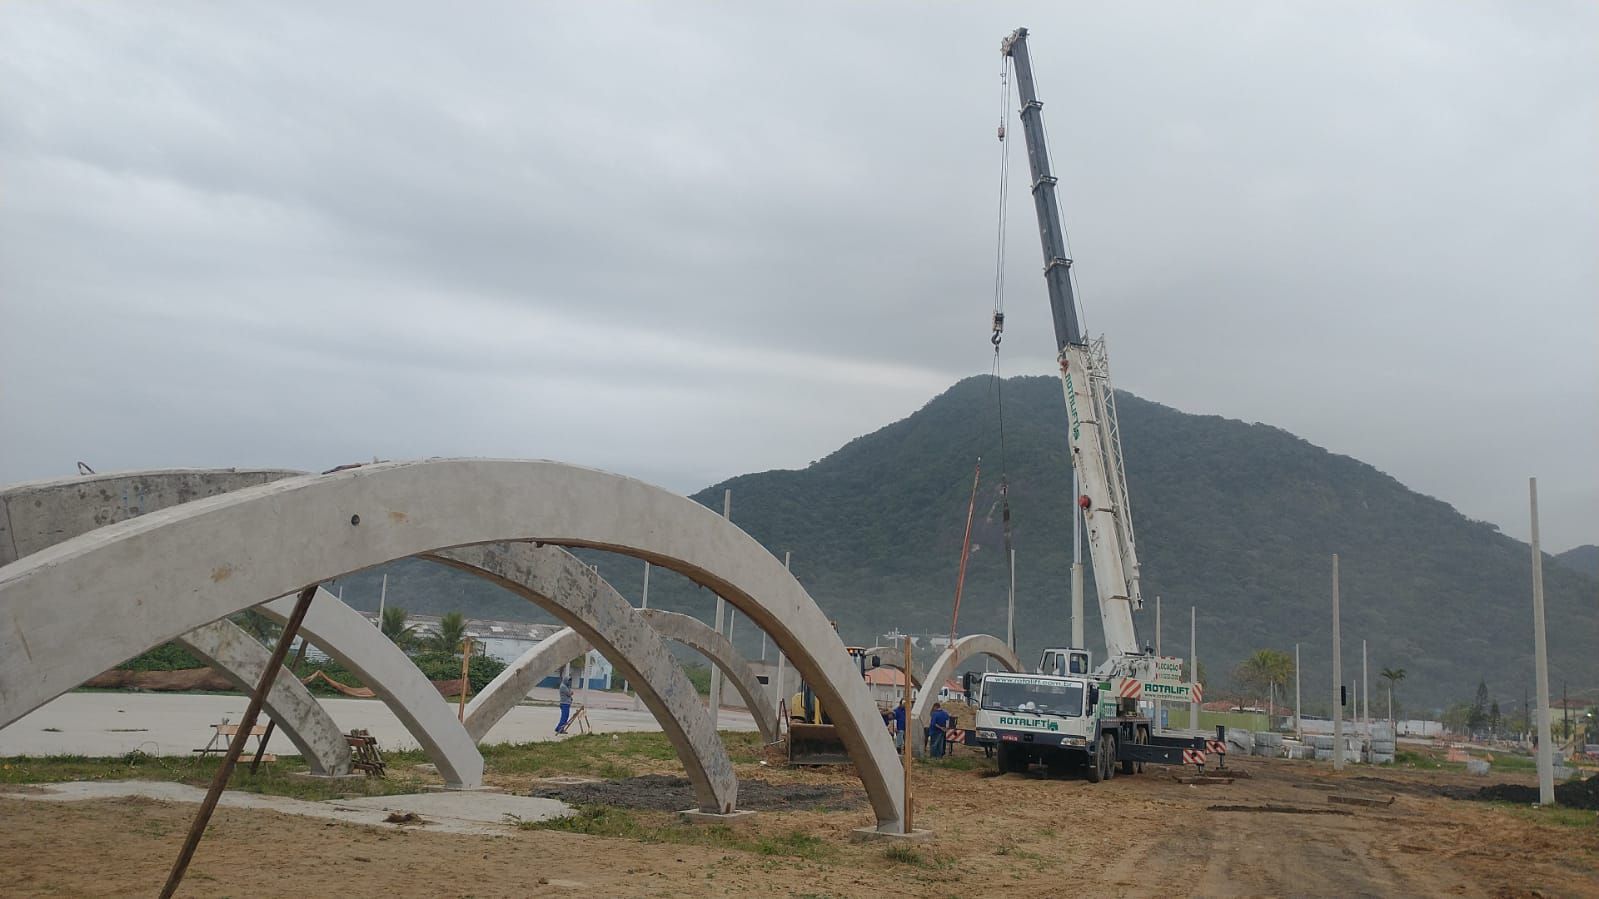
[(1299, 723), (1337, 677), (1193, 664), (721, 612), (1546, 762)]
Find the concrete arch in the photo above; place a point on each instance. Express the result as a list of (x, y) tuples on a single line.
[(511, 686), (241, 658), (893, 657), (347, 636), (211, 557), (606, 620), (944, 666), (704, 639)]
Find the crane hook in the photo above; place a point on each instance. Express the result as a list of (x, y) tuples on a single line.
[(999, 329)]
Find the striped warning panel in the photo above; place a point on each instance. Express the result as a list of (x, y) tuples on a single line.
[(1131, 688), (956, 735), (1199, 693), (1193, 756), (1217, 746)]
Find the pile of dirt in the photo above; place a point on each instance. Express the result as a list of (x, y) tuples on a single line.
[(1575, 794), (666, 793), (183, 680)]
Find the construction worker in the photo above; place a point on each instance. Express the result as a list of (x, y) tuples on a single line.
[(938, 729), (566, 704)]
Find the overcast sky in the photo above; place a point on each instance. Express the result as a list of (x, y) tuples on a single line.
[(690, 241)]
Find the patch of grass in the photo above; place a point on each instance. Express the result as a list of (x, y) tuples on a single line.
[(904, 855), (1557, 816), (608, 756), (796, 843), (610, 821), (273, 779), (1515, 763), (1422, 761)]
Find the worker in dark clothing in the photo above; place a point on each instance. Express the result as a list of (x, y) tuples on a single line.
[(938, 728)]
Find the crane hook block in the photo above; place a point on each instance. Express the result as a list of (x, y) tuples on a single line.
[(999, 328), (1002, 132)]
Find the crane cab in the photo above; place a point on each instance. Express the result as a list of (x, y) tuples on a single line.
[(1064, 662)]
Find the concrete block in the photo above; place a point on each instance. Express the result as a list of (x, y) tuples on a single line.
[(873, 835), (696, 816)]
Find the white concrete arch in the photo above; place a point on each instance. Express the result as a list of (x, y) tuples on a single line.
[(206, 559), (893, 657), (604, 618), (41, 514), (944, 666), (511, 686), (704, 639), (240, 658), (348, 637)]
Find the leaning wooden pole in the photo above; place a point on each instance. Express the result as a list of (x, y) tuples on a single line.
[(236, 746), (261, 747)]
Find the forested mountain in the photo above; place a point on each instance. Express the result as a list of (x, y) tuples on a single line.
[(1583, 559), (1236, 520)]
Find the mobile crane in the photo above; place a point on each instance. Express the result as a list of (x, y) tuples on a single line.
[(1069, 714)]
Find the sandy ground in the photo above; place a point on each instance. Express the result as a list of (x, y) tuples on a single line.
[(1010, 835), (114, 723)]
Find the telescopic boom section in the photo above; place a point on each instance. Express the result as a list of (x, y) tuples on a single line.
[(1090, 400), (1057, 265)]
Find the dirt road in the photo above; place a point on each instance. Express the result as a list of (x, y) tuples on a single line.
[(1009, 835)]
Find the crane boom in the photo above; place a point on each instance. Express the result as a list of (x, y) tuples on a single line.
[(1090, 401)]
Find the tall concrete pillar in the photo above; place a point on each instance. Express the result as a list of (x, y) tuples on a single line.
[(1338, 678), (1546, 761)]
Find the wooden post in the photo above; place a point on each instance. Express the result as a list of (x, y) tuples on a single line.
[(236, 746), (466, 680), (907, 735), (260, 748)]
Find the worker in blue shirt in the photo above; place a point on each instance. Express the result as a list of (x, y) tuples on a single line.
[(899, 725), (938, 729)]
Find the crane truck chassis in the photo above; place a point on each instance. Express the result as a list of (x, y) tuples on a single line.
[(1075, 722)]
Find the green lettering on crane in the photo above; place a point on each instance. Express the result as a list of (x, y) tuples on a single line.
[(1071, 407)]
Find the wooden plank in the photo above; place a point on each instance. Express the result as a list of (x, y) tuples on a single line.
[(1369, 801)]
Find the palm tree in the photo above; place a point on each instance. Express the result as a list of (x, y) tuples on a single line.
[(1265, 670), (394, 627), (1393, 676), (452, 633)]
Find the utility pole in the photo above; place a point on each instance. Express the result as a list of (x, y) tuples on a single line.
[(1299, 723), (1077, 566), (1365, 695), (1546, 769), (383, 595), (907, 734), (1338, 679), (721, 624), (1157, 624), (1193, 663), (781, 696)]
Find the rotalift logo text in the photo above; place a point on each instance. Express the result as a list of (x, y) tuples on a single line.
[(1040, 723)]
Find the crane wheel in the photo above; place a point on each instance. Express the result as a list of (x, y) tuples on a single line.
[(1107, 751), (1096, 765)]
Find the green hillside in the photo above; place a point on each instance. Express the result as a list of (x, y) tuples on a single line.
[(1239, 520), (1581, 559)]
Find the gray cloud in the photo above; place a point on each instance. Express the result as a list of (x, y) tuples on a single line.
[(693, 240)]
